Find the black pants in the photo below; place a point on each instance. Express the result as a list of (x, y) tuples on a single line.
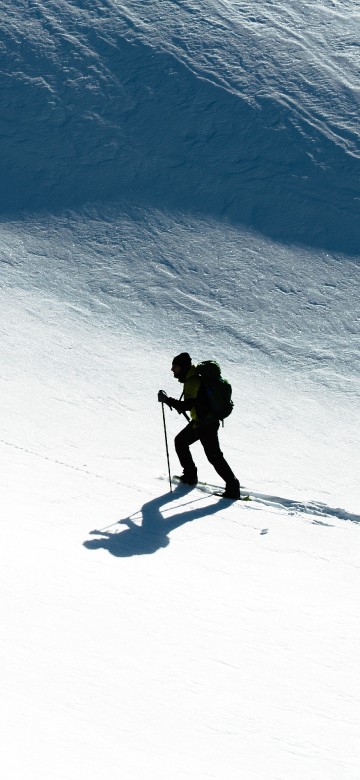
[(208, 436)]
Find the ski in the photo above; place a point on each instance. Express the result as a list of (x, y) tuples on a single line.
[(220, 494), (207, 487)]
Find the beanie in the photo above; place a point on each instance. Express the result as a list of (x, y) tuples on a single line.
[(183, 360)]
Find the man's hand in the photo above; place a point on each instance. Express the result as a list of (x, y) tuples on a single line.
[(164, 399), (172, 403), (175, 404)]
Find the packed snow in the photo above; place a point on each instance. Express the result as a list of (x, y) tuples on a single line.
[(179, 176)]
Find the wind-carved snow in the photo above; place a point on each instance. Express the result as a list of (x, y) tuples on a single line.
[(234, 114), (179, 176)]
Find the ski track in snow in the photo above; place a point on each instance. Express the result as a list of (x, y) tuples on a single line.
[(290, 506)]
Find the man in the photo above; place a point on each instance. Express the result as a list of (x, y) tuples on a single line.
[(203, 427)]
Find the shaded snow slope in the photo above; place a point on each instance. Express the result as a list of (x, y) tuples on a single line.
[(244, 113)]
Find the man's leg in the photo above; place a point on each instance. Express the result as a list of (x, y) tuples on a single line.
[(183, 440), (210, 441)]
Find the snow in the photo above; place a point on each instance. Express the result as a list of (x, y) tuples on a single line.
[(179, 176)]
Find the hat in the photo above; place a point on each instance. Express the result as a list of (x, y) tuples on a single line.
[(183, 360)]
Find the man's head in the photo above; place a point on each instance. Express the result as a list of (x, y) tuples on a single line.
[(180, 365)]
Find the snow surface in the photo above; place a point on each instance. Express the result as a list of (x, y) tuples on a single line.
[(179, 176)]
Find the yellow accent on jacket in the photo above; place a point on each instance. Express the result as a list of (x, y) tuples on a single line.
[(191, 389)]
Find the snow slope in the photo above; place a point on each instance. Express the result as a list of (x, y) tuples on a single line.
[(245, 111), (179, 175)]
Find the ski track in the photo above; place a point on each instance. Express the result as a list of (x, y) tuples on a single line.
[(290, 506)]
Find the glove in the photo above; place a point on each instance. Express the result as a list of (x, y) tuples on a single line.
[(163, 398), (175, 404)]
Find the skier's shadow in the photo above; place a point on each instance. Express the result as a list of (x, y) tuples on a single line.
[(153, 533)]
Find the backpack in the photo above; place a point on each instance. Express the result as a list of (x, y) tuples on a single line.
[(218, 390)]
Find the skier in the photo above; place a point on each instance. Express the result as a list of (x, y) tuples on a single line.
[(203, 427)]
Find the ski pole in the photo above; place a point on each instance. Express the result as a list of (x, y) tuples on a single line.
[(166, 445), (184, 413)]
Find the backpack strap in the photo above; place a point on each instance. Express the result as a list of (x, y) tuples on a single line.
[(184, 413)]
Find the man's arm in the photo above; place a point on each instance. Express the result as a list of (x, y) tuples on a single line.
[(181, 406)]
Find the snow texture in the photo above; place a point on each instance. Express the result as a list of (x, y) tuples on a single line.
[(179, 176)]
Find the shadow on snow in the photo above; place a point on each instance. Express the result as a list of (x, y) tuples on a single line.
[(153, 533)]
